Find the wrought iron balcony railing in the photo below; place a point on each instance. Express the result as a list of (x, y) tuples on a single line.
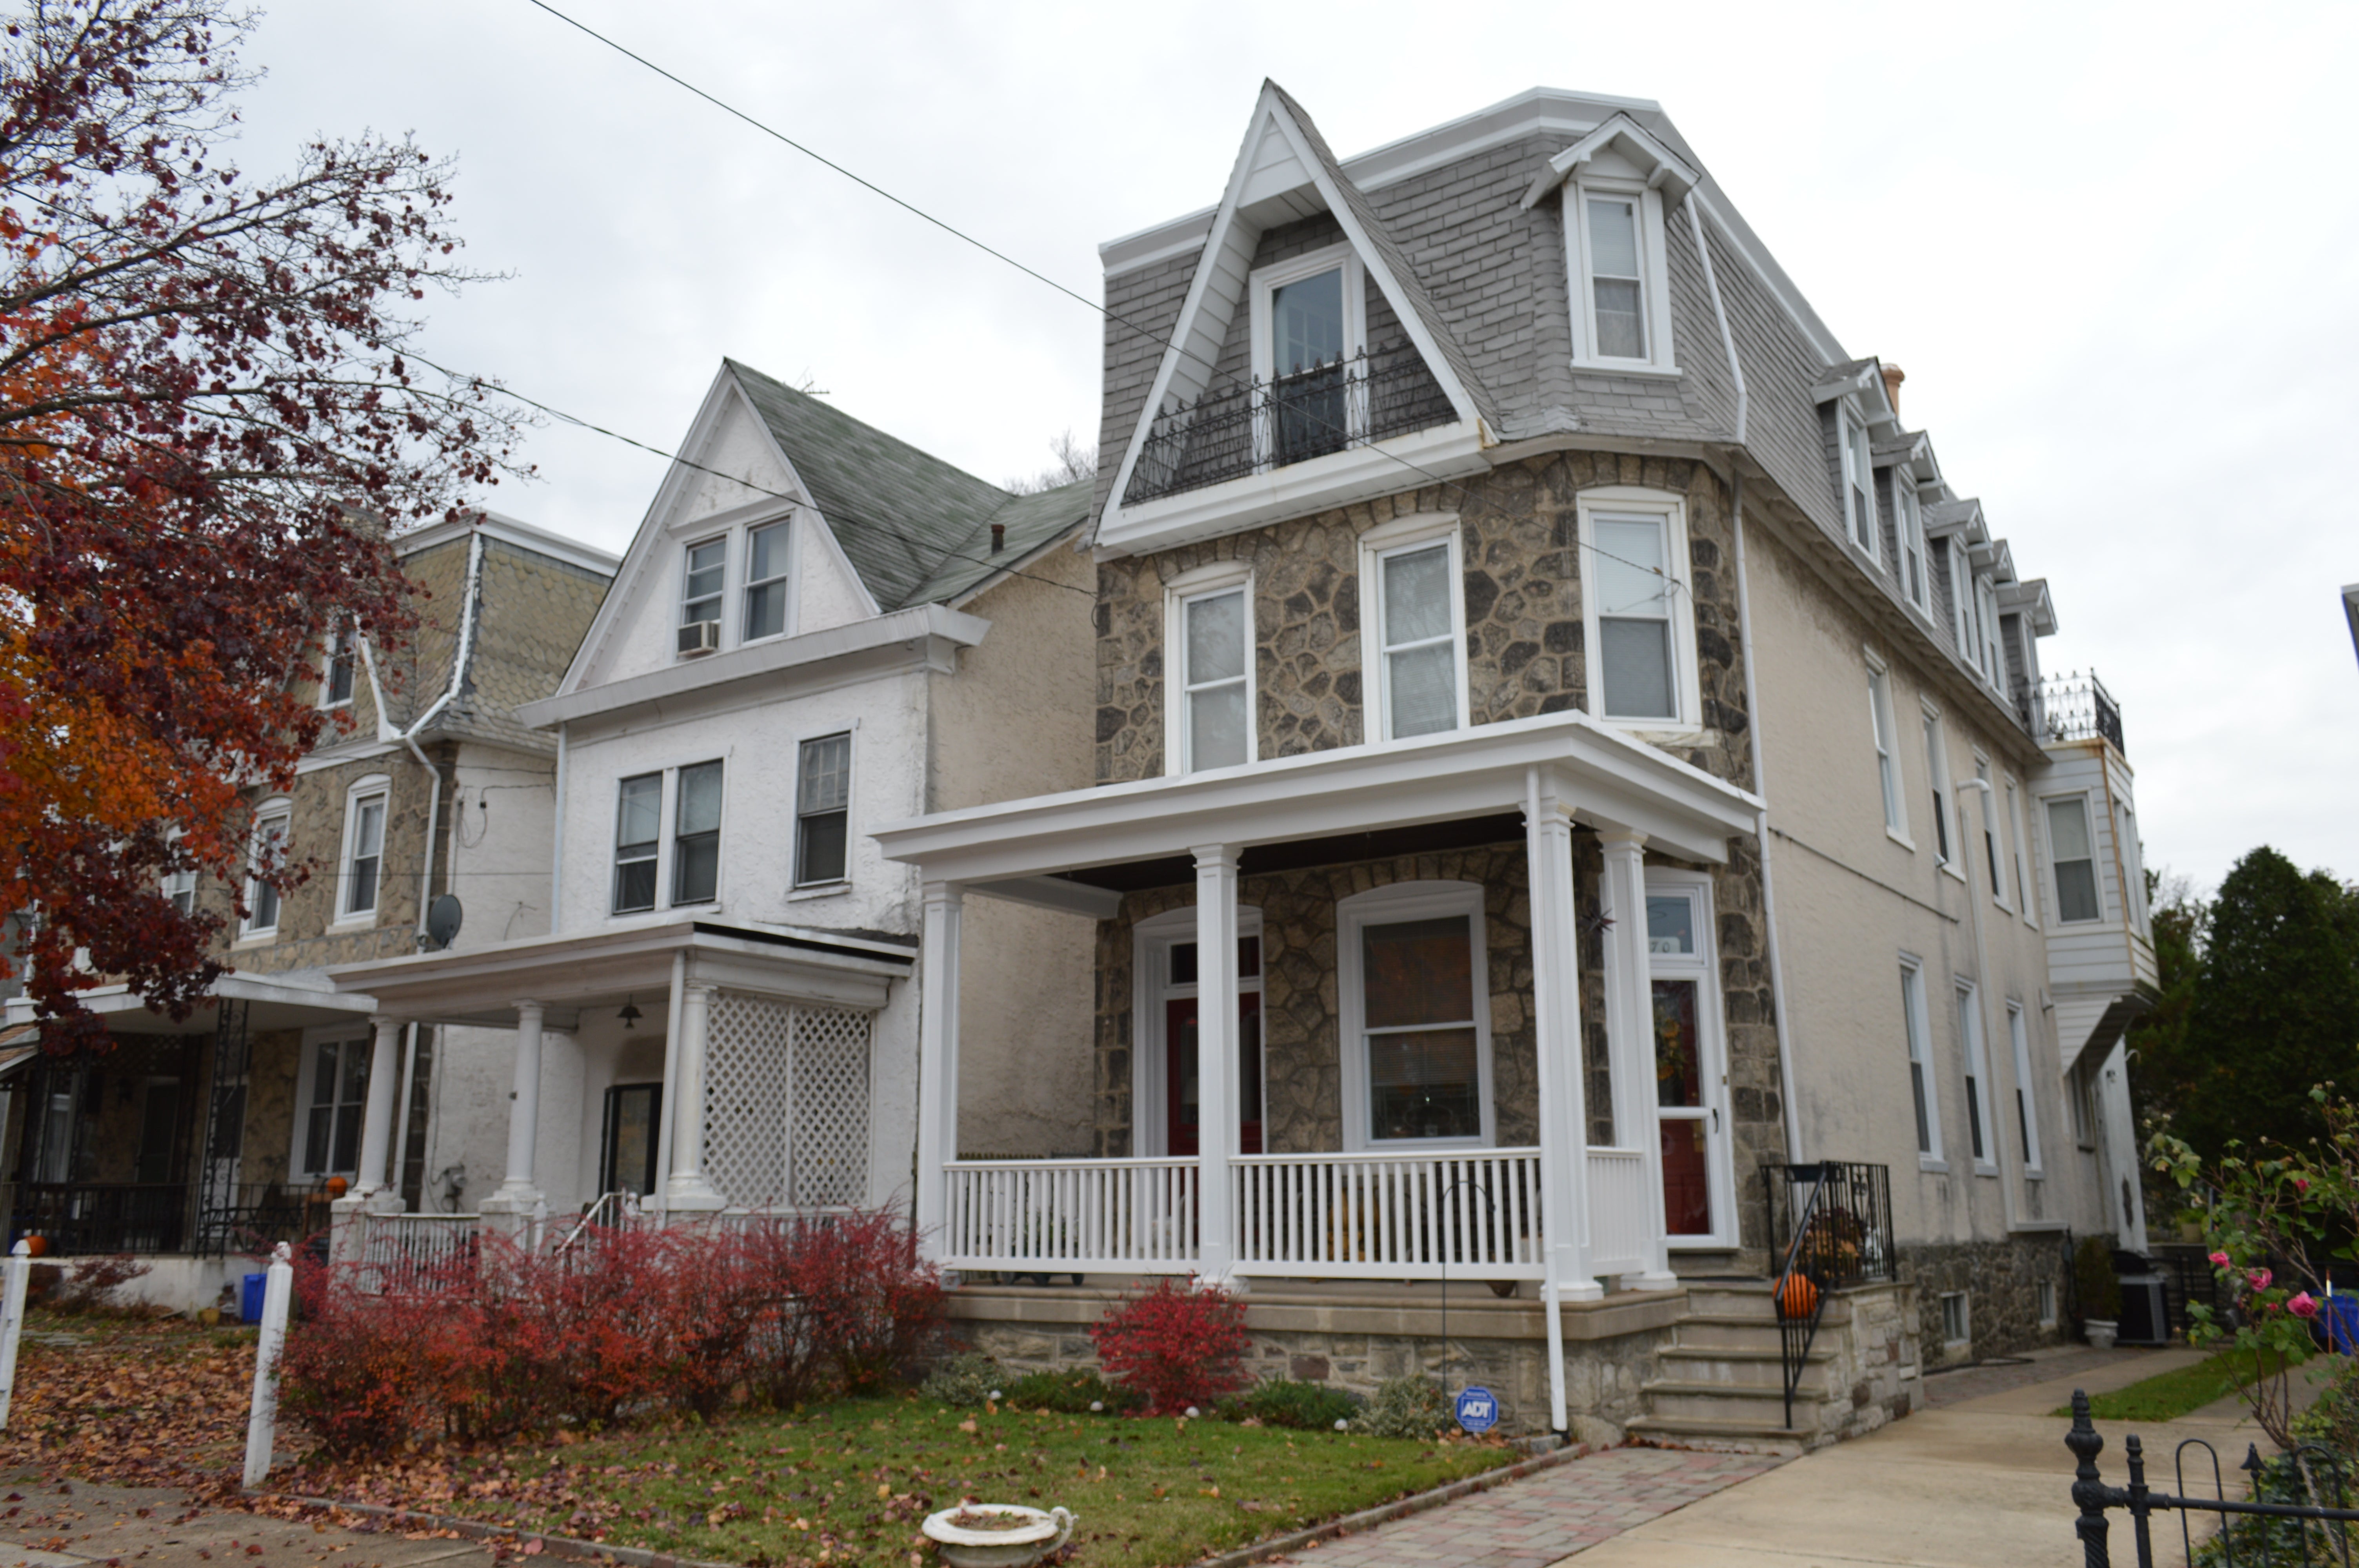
[(1227, 434), (2078, 707)]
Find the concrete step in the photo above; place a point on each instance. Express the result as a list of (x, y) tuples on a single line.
[(1732, 1298), (1748, 1437), (1737, 1330), (1749, 1369), (1742, 1404)]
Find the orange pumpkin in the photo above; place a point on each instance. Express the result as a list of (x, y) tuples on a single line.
[(36, 1246), (1797, 1297), (336, 1185)]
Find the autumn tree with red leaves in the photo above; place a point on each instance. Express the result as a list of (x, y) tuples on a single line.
[(210, 430)]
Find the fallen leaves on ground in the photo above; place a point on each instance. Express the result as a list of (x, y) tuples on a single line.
[(131, 1402)]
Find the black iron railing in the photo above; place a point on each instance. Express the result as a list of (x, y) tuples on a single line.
[(2299, 1511), (254, 1216), (2079, 707), (83, 1219), (1243, 430), (1830, 1228)]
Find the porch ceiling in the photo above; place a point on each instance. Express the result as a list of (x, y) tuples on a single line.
[(270, 1003), (571, 973), (1612, 780)]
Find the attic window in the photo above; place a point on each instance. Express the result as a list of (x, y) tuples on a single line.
[(766, 581), (1615, 252), (1309, 326)]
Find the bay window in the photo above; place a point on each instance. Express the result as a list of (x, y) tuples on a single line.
[(2073, 856)]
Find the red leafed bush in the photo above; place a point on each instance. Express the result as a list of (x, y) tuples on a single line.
[(1175, 1345), (631, 1323)]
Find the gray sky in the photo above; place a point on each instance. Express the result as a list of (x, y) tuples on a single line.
[(2115, 246)]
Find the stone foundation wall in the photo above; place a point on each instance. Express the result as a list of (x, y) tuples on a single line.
[(2001, 1280), (1875, 1374)]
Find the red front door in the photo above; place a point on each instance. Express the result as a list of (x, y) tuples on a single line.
[(1179, 1074)]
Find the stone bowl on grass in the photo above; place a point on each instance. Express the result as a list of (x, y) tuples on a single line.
[(997, 1535)]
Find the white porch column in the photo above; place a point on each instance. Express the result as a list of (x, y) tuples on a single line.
[(1630, 1038), (1217, 1058), (938, 1042), (1563, 1117), (687, 1189), (376, 1123), (518, 1194)]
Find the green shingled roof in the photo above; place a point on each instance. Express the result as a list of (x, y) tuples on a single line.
[(916, 529)]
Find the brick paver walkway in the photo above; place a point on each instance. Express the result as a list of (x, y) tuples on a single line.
[(1533, 1521)]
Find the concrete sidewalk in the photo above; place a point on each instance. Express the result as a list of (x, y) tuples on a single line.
[(1982, 1483)]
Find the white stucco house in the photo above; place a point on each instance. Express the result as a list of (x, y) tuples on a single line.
[(817, 627)]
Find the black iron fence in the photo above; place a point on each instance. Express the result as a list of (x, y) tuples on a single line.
[(2079, 707), (241, 1217), (1830, 1228), (80, 1218), (2299, 1510), (1243, 429)]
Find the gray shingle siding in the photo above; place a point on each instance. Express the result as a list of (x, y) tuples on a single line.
[(1781, 429), (1142, 305)]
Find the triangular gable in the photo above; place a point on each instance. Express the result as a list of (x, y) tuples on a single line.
[(1285, 171), (1620, 135)]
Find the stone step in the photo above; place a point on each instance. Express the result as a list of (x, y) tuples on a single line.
[(1745, 1436), (1742, 1404), (1749, 1369), (1734, 1329), (1732, 1298)]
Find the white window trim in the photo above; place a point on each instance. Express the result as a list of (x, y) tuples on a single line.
[(2096, 861), (1385, 906), (306, 1073), (1218, 577), (615, 845), (1965, 1319), (1703, 967), (2019, 1036), (1856, 444), (375, 786), (728, 541), (1151, 944), (2024, 859), (1991, 659), (1945, 791), (1910, 527), (1653, 258), (1398, 538), (1994, 859), (1267, 281), (1962, 598), (668, 835), (1917, 1037), (328, 662), (790, 574), (1884, 736), (280, 810), (1973, 1062), (1686, 681), (797, 887)]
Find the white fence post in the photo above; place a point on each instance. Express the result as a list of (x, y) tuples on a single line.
[(12, 1323), (262, 1424)]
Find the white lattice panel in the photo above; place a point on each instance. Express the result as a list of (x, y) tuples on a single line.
[(830, 1108), (747, 1085)]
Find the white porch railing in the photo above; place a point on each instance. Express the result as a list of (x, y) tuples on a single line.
[(1469, 1214), (409, 1245), (1618, 1211), (1070, 1216)]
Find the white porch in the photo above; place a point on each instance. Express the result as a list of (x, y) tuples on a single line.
[(1557, 1210)]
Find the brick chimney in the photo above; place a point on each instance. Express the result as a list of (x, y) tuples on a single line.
[(1893, 376)]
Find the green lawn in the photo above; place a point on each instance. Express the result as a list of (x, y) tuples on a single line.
[(2170, 1395), (848, 1482)]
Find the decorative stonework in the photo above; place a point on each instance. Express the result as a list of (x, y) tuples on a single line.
[(1523, 604), (2001, 1279)]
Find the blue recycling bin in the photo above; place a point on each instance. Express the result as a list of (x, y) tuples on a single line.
[(249, 1298), (2338, 1323)]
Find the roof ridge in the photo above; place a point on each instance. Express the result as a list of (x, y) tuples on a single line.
[(742, 368)]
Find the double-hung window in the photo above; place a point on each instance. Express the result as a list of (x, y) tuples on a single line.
[(1416, 638), (2026, 1119), (336, 673), (1915, 577), (1613, 242), (1415, 1014), (1991, 658), (1962, 600), (2016, 841), (823, 809), (638, 826), (1308, 322), (766, 581), (706, 569), (1859, 482), (1636, 612), (331, 1122), (696, 835), (1921, 1091), (1215, 714), (364, 853), (1987, 804), (2072, 852), (1977, 1066), (265, 851), (180, 891), (1937, 770), (1887, 750)]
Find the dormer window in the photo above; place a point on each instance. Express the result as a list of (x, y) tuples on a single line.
[(1911, 529), (1859, 482), (1621, 304), (336, 673), (1992, 660), (1309, 326)]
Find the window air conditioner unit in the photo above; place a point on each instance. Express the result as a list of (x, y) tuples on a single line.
[(699, 637)]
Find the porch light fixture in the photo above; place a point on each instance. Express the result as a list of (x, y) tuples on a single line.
[(630, 1015)]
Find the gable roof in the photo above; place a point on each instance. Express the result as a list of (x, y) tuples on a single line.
[(897, 511), (1033, 522)]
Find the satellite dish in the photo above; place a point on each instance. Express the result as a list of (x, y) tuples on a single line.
[(442, 921)]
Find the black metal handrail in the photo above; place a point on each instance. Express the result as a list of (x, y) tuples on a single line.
[(2094, 1499), (1307, 413), (1834, 1235)]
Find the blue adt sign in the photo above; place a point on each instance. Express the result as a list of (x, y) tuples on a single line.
[(1478, 1412)]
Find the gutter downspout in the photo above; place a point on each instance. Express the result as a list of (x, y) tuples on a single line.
[(1780, 1000), (467, 610)]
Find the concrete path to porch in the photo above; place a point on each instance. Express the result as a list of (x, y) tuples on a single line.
[(1977, 1478), (64, 1525)]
